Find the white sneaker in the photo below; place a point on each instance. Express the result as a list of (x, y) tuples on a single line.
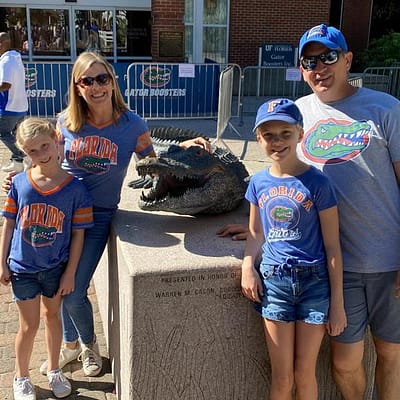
[(59, 384), (66, 356), (91, 359), (14, 166), (23, 389)]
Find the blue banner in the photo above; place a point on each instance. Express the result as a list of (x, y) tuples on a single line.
[(160, 90), (47, 87)]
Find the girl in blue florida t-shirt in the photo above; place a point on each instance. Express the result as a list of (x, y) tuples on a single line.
[(46, 213), (298, 287)]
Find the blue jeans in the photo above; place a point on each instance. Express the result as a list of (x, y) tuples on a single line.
[(27, 286), (298, 293), (7, 126), (77, 312)]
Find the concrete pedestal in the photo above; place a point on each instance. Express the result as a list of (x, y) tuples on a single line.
[(176, 323)]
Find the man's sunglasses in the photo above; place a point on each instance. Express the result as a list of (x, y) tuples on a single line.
[(101, 79), (329, 58)]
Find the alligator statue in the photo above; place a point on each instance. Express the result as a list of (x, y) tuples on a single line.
[(189, 181)]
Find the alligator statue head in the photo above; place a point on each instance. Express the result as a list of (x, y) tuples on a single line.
[(189, 181)]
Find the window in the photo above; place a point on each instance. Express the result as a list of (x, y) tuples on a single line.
[(13, 21), (133, 33), (94, 31), (49, 32), (206, 30), (63, 32)]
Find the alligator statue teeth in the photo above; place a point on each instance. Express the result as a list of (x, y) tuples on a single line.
[(189, 181)]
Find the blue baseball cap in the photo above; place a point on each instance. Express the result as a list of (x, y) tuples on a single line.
[(278, 110), (328, 36)]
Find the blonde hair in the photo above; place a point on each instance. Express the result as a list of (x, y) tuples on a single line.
[(76, 112), (32, 127)]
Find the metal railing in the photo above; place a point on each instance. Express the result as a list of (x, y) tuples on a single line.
[(186, 90), (385, 79), (261, 83), (47, 87), (172, 90)]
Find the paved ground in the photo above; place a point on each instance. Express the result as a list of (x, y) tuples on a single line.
[(84, 388)]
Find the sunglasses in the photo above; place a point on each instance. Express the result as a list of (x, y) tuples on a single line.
[(101, 79), (329, 58)]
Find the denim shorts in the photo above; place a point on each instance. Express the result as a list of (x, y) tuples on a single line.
[(370, 299), (27, 286), (298, 293)]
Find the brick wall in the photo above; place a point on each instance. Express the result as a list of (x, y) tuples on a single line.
[(168, 19), (251, 25), (254, 22)]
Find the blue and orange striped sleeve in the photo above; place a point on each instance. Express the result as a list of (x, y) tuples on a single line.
[(9, 209), (82, 218), (144, 144)]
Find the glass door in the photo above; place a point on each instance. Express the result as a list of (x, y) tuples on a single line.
[(49, 33)]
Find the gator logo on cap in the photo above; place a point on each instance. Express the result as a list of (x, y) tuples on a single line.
[(319, 30), (332, 141), (155, 77), (30, 77)]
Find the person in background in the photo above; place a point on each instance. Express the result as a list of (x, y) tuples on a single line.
[(353, 135), (13, 100), (294, 224), (40, 246)]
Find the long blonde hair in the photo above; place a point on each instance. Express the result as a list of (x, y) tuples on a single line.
[(32, 127), (76, 112)]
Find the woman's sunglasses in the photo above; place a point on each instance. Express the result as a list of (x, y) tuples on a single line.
[(101, 79), (329, 58)]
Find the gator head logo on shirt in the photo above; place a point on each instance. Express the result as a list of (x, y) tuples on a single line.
[(155, 77), (94, 165), (283, 213), (40, 235), (333, 141)]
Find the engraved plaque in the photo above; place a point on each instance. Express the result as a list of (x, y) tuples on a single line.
[(170, 44)]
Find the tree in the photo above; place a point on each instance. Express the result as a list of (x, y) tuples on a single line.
[(385, 17)]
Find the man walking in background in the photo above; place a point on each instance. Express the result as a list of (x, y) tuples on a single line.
[(13, 100)]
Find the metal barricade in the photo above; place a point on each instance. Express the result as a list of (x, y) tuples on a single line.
[(261, 83), (226, 81), (355, 81), (385, 79), (174, 91), (188, 90), (47, 87)]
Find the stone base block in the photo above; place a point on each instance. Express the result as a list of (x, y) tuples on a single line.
[(177, 325)]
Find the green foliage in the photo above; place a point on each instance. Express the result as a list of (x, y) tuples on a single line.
[(382, 52)]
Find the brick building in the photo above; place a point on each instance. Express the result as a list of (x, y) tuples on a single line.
[(251, 23), (173, 30)]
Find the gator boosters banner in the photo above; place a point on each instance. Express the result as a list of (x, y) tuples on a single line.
[(47, 87), (173, 90)]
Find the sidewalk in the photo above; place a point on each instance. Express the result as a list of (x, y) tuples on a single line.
[(83, 388)]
